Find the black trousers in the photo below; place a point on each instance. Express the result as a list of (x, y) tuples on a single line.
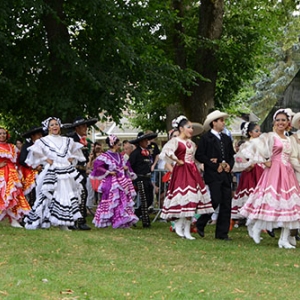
[(221, 194), (145, 190), (82, 203)]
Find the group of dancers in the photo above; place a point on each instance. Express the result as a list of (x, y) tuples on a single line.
[(268, 194)]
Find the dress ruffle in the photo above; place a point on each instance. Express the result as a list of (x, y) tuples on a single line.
[(187, 193), (116, 206), (13, 203), (58, 186), (275, 201)]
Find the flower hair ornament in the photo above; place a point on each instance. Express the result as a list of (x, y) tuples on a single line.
[(175, 122), (112, 139), (7, 133), (46, 122), (284, 111), (245, 129)]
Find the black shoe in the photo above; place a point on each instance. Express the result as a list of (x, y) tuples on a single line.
[(271, 233), (225, 239), (83, 227), (200, 232), (74, 227)]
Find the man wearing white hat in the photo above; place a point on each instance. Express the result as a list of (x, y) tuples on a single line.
[(216, 152)]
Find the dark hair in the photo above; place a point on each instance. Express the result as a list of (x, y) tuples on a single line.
[(251, 126), (240, 142), (107, 142), (211, 124), (182, 123)]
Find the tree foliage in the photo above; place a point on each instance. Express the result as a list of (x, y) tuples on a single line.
[(69, 58)]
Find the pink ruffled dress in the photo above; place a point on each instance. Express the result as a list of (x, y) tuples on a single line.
[(275, 202)]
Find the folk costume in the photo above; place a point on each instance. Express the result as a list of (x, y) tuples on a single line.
[(12, 200), (215, 150), (295, 161), (187, 192), (82, 168), (275, 201), (58, 185), (250, 173), (140, 162), (116, 206), (28, 174)]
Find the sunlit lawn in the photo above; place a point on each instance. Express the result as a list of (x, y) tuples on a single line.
[(143, 264)]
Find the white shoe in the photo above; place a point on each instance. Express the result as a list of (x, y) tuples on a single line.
[(14, 223), (256, 235), (250, 230), (292, 240), (285, 244), (179, 227), (64, 228), (187, 230)]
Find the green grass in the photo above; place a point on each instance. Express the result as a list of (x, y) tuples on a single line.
[(143, 264)]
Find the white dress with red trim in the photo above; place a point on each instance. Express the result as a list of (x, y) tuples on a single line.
[(187, 193)]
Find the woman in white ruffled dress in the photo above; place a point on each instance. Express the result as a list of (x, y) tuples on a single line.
[(58, 188)]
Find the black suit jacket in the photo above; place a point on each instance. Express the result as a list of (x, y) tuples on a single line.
[(24, 153), (84, 150), (209, 147)]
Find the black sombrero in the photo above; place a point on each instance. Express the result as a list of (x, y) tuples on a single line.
[(32, 131), (81, 121), (141, 136)]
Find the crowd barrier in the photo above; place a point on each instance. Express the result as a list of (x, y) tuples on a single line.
[(160, 191)]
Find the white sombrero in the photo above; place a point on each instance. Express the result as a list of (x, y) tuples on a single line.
[(216, 114), (198, 128), (295, 121)]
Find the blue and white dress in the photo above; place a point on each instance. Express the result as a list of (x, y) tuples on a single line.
[(58, 185)]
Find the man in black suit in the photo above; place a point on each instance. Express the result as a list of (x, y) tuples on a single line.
[(140, 161), (80, 126), (216, 152)]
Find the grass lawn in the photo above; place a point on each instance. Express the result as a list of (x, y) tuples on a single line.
[(143, 264)]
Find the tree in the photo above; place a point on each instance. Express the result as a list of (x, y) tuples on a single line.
[(222, 44), (69, 58)]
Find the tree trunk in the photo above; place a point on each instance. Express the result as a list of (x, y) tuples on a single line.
[(209, 29)]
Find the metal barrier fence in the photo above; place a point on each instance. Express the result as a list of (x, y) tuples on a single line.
[(160, 191)]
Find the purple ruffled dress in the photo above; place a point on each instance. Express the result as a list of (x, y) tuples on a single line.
[(116, 206)]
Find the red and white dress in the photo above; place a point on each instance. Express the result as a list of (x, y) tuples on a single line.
[(187, 193), (247, 183), (275, 201), (12, 200)]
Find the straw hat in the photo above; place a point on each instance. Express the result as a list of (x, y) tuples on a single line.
[(295, 121), (216, 114)]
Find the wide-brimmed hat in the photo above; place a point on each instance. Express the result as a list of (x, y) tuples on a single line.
[(82, 121), (216, 114), (198, 128), (295, 121), (141, 136), (32, 131)]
